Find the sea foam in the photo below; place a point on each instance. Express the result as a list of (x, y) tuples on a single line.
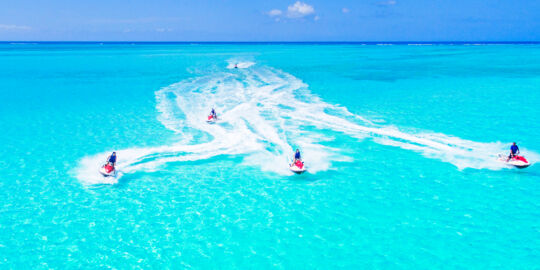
[(264, 115)]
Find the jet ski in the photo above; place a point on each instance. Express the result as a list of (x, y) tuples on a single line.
[(107, 170), (211, 119), (297, 167), (517, 161)]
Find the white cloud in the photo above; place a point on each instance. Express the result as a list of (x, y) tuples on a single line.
[(345, 10), (12, 27), (299, 9), (275, 12), (294, 11)]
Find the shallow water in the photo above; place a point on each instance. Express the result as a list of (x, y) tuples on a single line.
[(400, 143)]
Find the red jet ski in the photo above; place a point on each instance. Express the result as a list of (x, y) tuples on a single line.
[(211, 119), (297, 167), (108, 170), (517, 161)]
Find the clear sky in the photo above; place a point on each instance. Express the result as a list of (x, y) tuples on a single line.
[(279, 20)]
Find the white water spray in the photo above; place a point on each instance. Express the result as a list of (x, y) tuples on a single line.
[(264, 115)]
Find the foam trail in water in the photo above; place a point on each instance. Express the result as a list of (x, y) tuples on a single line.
[(264, 114)]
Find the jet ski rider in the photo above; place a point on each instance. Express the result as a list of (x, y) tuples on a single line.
[(514, 151), (297, 156), (213, 113), (112, 159)]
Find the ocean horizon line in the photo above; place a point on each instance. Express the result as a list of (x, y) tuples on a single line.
[(14, 42)]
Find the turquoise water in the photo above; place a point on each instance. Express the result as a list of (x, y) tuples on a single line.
[(399, 141)]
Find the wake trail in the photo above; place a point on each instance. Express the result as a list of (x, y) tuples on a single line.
[(264, 113)]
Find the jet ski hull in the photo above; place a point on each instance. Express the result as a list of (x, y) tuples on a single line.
[(297, 169), (519, 162), (211, 120), (519, 165), (104, 172)]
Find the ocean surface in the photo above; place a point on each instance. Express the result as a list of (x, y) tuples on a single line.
[(400, 142)]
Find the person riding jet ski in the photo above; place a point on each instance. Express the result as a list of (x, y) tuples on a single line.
[(212, 117), (297, 165), (108, 169), (514, 159), (514, 151), (297, 156), (112, 159)]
